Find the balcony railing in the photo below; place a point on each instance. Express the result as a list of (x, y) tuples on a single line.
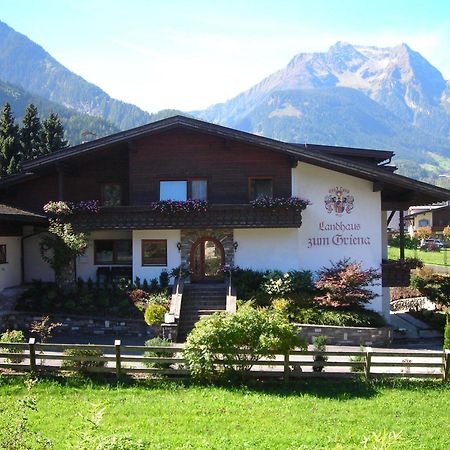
[(217, 216)]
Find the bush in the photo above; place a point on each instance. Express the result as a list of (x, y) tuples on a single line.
[(356, 317), (435, 286), (247, 282), (12, 336), (79, 364), (164, 280), (282, 305), (320, 345), (345, 284), (261, 332), (277, 283), (157, 342), (154, 314)]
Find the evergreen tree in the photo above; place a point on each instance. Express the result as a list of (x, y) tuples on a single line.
[(30, 133), (10, 155), (52, 135)]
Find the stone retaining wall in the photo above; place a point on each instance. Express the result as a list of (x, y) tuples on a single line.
[(354, 336), (115, 327)]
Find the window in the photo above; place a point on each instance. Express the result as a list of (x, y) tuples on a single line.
[(3, 254), (111, 194), (154, 252), (181, 190), (260, 187), (423, 222), (108, 252)]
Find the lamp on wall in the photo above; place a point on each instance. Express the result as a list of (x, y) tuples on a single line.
[(235, 245), (179, 246)]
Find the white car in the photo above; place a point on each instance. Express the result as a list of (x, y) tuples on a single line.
[(424, 243)]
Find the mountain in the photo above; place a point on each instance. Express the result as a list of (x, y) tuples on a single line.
[(385, 98), (74, 123), (27, 65)]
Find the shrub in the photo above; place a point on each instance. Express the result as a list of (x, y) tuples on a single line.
[(277, 283), (247, 282), (320, 345), (79, 363), (154, 314), (261, 332), (436, 286), (12, 336), (447, 334), (358, 359), (345, 284), (164, 280), (302, 281), (138, 295), (159, 298), (157, 342), (282, 305), (356, 317), (410, 242)]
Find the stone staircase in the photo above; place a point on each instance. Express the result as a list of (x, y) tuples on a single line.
[(199, 300)]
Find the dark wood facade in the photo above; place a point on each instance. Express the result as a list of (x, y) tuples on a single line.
[(227, 166), (138, 168)]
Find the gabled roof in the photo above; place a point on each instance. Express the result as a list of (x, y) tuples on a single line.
[(10, 213), (305, 153)]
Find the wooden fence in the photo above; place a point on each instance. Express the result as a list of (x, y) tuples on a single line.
[(121, 359)]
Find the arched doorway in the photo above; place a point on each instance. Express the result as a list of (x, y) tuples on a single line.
[(207, 260)]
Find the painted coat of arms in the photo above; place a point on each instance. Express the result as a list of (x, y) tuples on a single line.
[(339, 201)]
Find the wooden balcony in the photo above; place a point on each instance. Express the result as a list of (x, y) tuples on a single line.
[(217, 216)]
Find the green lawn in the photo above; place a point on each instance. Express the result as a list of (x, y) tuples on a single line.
[(438, 258), (315, 414)]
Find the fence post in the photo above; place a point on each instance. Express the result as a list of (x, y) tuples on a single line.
[(32, 352), (287, 369), (117, 344), (446, 365), (368, 361)]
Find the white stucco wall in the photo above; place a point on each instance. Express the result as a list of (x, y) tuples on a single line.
[(173, 255), (85, 264), (35, 268), (324, 236), (267, 248), (10, 272)]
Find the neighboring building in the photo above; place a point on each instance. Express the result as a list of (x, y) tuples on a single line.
[(437, 217), (179, 158)]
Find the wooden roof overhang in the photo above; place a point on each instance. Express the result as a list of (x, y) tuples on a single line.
[(397, 192)]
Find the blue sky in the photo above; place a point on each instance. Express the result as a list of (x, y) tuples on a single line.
[(191, 54)]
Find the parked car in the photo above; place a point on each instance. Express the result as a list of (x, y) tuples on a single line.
[(430, 243)]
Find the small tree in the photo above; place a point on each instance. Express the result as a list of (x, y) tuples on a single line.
[(52, 135), (434, 285), (30, 133), (10, 155), (446, 233), (345, 284), (62, 245), (423, 232), (259, 332)]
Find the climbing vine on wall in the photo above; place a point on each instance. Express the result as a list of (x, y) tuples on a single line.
[(62, 244)]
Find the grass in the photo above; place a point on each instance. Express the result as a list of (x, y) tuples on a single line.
[(314, 414), (441, 258)]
